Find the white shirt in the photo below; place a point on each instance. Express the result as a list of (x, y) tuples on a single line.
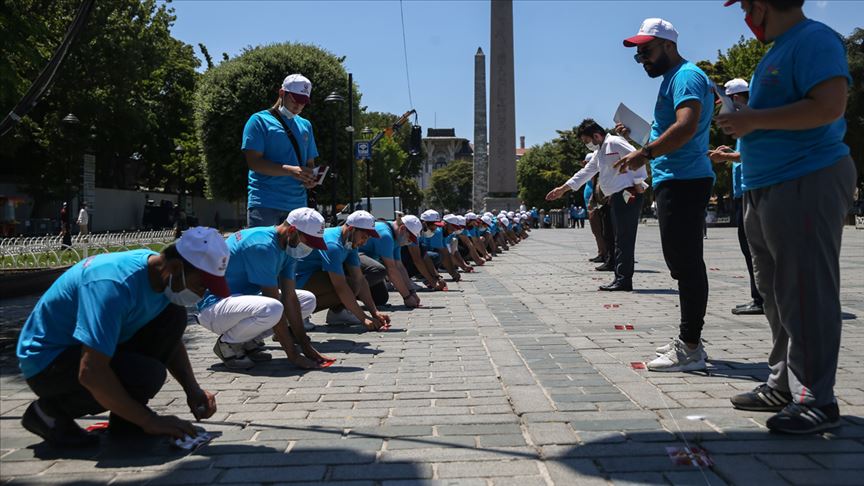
[(83, 217), (610, 180)]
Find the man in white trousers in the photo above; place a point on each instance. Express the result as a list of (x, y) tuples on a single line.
[(266, 301)]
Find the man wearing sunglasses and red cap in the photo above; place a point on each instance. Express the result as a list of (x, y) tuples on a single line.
[(280, 151), (265, 300), (104, 334)]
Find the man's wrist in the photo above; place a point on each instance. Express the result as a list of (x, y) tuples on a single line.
[(647, 152)]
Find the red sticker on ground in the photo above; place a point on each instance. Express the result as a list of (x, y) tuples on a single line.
[(97, 426), (619, 327), (714, 269), (326, 364), (629, 327), (637, 365), (689, 456), (611, 306)]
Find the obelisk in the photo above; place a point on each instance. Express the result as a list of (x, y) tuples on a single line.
[(481, 155), (502, 110)]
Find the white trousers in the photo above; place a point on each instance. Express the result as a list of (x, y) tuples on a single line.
[(242, 318)]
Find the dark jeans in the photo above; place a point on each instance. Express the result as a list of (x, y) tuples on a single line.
[(625, 219), (745, 249), (376, 275), (256, 217), (681, 212), (140, 365)]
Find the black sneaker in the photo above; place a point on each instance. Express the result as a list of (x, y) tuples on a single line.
[(763, 398), (801, 419), (65, 433)]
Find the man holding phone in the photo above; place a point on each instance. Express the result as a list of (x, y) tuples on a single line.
[(280, 151)]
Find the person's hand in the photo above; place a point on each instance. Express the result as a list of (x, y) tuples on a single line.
[(440, 284), (738, 124), (456, 276), (373, 324), (631, 161), (302, 174), (557, 192), (381, 317), (303, 362), (168, 425), (621, 130), (412, 301), (202, 403), (314, 355)]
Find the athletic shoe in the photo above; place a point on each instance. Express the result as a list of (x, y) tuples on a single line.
[(344, 317), (232, 355), (308, 325), (679, 358), (751, 309), (763, 398), (64, 433), (255, 351), (801, 419), (606, 267), (597, 259), (671, 344)]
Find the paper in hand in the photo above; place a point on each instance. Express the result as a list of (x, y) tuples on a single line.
[(728, 106), (640, 130), (319, 173), (189, 443)]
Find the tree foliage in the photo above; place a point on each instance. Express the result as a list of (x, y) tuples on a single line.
[(450, 186), (235, 89), (549, 165), (125, 76), (855, 103)]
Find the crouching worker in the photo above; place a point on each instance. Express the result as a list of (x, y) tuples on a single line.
[(323, 273), (265, 300), (386, 250), (103, 335)]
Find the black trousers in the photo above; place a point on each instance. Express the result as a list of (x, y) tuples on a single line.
[(376, 275), (681, 212), (625, 220), (140, 365), (607, 231), (745, 249)]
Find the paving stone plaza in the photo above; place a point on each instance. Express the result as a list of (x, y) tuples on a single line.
[(516, 376)]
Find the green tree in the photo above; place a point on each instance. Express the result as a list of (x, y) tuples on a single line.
[(547, 166), (855, 103), (125, 76), (450, 186), (238, 87)]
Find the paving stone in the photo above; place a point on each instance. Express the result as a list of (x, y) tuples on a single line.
[(487, 469)]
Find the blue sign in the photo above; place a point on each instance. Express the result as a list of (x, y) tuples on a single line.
[(363, 150)]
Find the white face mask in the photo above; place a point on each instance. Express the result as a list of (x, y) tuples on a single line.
[(428, 233), (349, 241), (592, 146), (458, 232), (287, 114), (184, 297), (299, 252)]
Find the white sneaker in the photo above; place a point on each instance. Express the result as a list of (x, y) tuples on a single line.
[(671, 344), (679, 358), (308, 325), (232, 355), (344, 317)]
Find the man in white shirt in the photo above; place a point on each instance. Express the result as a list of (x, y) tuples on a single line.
[(83, 220), (624, 190)]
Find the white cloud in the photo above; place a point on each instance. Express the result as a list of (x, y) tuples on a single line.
[(822, 3)]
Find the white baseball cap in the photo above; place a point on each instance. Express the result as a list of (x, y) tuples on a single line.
[(414, 226), (462, 221), (299, 86), (205, 249), (510, 214), (452, 219), (470, 216), (653, 29), (487, 220), (310, 223), (504, 220), (431, 216), (363, 220), (487, 213), (736, 86)]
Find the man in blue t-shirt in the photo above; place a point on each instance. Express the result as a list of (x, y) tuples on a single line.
[(682, 178), (265, 300), (323, 273), (798, 180), (105, 332), (386, 250), (280, 166), (738, 91)]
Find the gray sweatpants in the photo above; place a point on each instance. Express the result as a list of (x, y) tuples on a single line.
[(794, 229)]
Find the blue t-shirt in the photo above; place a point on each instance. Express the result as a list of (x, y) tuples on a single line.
[(256, 261), (588, 191), (804, 56), (328, 261), (448, 240), (384, 247), (471, 232), (683, 83), (434, 242), (100, 302), (263, 133), (736, 175)]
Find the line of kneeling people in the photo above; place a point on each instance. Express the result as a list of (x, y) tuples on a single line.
[(104, 336)]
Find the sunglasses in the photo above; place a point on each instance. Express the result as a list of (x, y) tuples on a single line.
[(641, 57)]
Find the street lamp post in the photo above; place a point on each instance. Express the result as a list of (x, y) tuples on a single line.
[(70, 122), (181, 196), (393, 190), (335, 100), (366, 134)]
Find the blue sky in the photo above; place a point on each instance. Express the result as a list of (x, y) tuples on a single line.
[(570, 63)]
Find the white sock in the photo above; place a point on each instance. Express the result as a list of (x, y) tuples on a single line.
[(44, 416)]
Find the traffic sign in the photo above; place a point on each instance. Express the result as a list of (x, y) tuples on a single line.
[(363, 150)]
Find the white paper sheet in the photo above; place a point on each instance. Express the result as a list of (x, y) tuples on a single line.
[(640, 130)]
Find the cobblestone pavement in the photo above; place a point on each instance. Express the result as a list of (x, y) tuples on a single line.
[(516, 376)]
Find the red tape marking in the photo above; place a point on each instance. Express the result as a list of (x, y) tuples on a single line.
[(637, 365), (97, 426), (689, 456)]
